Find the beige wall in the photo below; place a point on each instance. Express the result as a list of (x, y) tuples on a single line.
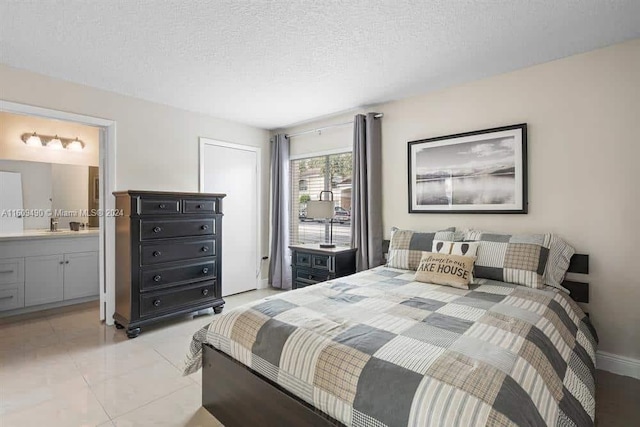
[(157, 145), (12, 126), (584, 180)]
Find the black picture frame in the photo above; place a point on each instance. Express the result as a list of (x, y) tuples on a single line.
[(512, 189)]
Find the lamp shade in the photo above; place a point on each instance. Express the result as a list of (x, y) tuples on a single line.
[(320, 209), (75, 145), (55, 143), (33, 141)]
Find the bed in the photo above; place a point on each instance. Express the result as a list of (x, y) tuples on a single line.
[(379, 349)]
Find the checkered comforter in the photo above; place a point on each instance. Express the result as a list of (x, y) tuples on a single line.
[(378, 349)]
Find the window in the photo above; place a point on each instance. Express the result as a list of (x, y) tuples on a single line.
[(331, 172)]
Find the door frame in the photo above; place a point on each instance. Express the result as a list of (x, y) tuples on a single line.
[(215, 142), (107, 176)]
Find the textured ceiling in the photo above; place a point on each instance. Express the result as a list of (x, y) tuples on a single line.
[(274, 63)]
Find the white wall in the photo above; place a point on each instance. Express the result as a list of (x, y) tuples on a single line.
[(584, 125), (36, 189), (157, 145)]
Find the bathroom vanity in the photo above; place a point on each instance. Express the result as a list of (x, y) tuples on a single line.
[(41, 269)]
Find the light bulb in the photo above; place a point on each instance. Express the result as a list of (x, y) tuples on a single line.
[(55, 143), (75, 145), (34, 141)]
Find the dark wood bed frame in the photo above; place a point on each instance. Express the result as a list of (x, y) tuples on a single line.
[(238, 396)]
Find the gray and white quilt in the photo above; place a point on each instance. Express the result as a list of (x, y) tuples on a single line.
[(379, 349)]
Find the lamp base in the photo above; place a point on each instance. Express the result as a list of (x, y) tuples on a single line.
[(327, 245)]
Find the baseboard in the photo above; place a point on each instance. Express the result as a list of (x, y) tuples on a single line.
[(616, 364), (263, 284)]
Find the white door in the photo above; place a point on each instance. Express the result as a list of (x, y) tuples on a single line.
[(233, 169)]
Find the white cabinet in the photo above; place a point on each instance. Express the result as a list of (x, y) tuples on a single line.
[(52, 278), (43, 280), (11, 283), (42, 272), (81, 275)]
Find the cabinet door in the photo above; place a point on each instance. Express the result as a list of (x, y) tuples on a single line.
[(81, 275), (43, 279)]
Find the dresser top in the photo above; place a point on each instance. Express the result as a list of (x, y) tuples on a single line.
[(166, 193), (315, 247)]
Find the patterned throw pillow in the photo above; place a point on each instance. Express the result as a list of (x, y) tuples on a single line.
[(560, 255), (519, 259), (445, 269), (406, 247), (456, 248)]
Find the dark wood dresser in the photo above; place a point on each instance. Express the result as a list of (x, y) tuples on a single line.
[(168, 248), (312, 264)]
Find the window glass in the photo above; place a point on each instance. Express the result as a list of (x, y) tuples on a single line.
[(310, 176)]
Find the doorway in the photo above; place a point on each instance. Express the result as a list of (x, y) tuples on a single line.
[(233, 169), (106, 182)]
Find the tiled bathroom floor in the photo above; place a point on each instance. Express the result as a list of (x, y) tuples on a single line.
[(69, 369)]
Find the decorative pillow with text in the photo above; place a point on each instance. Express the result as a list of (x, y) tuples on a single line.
[(445, 269)]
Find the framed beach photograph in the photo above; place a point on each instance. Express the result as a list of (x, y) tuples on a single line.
[(474, 172)]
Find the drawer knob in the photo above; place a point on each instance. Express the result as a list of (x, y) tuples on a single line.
[(205, 227), (157, 253), (157, 278), (310, 277), (156, 303), (205, 248), (205, 292), (199, 207), (157, 229), (162, 206), (205, 270)]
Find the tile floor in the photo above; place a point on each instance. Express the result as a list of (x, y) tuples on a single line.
[(65, 368)]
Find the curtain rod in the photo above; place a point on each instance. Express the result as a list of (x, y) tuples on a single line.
[(291, 135)]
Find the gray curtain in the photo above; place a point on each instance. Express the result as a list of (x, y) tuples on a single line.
[(366, 198), (279, 264)]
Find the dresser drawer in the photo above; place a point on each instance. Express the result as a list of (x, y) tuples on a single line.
[(300, 284), (176, 250), (10, 298), (158, 206), (198, 206), (322, 262), (160, 229), (302, 259), (311, 275), (151, 279), (163, 301), (11, 271)]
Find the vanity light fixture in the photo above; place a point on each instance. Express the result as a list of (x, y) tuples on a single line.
[(75, 145), (54, 142), (32, 140)]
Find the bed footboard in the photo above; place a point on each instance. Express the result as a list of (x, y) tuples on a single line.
[(237, 396)]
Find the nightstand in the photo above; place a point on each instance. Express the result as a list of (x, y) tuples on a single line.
[(311, 264)]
